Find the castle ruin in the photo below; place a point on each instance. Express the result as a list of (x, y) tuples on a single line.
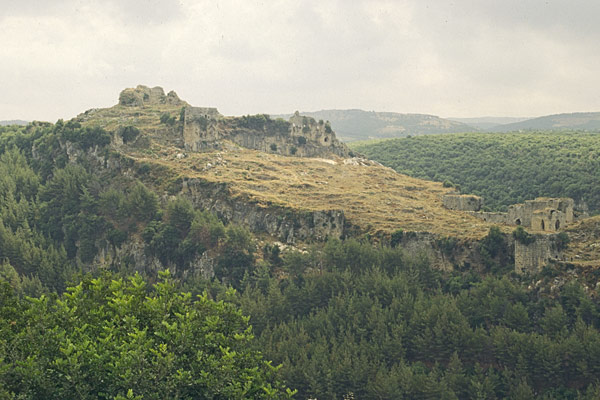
[(206, 129), (542, 214)]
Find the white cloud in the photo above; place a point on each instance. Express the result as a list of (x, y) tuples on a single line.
[(464, 58)]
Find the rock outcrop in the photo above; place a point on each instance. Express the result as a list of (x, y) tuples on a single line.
[(143, 95), (207, 129), (285, 224)]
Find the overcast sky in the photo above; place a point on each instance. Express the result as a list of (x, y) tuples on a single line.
[(463, 58)]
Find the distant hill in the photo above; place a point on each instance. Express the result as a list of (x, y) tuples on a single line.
[(352, 125), (13, 122), (586, 121), (488, 123)]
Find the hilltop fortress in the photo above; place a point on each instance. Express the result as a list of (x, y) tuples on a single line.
[(204, 128)]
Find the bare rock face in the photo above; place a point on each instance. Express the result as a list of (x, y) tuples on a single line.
[(205, 129), (143, 95), (284, 224)]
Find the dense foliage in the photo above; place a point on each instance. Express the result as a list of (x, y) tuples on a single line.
[(504, 168), (344, 319), (61, 206), (376, 323), (110, 338)]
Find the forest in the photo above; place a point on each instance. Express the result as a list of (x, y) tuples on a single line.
[(503, 168), (342, 319)]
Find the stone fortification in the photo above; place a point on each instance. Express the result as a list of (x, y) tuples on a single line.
[(206, 129), (532, 257), (462, 202), (542, 214)]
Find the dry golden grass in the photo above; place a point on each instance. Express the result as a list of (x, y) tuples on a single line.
[(584, 248), (373, 197), (146, 118)]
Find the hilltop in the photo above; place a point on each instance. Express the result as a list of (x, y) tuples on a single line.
[(332, 257), (581, 121), (262, 162), (354, 125)]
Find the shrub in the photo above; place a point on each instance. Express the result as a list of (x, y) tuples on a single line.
[(522, 236), (128, 133), (396, 238), (167, 119)]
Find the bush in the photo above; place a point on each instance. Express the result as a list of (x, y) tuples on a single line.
[(522, 236), (167, 119), (561, 241), (128, 133), (396, 238), (109, 337)]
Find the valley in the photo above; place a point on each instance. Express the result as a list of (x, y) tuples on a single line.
[(237, 240)]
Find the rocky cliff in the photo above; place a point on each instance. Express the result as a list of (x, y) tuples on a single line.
[(285, 224), (207, 129)]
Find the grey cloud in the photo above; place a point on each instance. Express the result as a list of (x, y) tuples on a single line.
[(467, 57)]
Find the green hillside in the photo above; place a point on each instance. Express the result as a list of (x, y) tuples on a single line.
[(87, 311), (582, 121), (503, 168)]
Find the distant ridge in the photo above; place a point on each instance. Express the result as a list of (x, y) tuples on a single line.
[(13, 122), (585, 121), (488, 123), (352, 125)]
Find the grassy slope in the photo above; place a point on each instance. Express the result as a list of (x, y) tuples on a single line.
[(373, 197), (503, 168)]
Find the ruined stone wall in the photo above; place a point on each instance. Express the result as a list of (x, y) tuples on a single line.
[(522, 214), (492, 217), (462, 202), (206, 129), (531, 258), (200, 127), (143, 95), (541, 214), (548, 219)]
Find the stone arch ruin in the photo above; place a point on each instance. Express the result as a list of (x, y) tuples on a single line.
[(542, 214)]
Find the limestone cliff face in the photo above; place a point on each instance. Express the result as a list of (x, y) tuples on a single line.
[(285, 224), (133, 252), (206, 129)]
